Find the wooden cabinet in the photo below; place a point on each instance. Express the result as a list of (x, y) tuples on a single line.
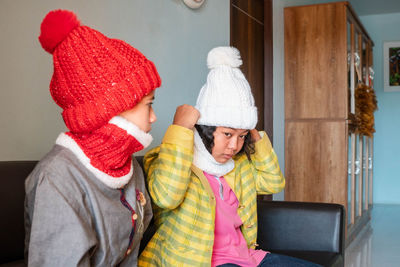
[(328, 54)]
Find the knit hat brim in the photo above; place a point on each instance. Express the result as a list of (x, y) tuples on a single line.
[(232, 117)]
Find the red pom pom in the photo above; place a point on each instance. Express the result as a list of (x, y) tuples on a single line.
[(55, 27)]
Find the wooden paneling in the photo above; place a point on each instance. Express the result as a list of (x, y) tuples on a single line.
[(253, 8), (315, 61), (314, 163), (268, 69), (326, 159), (247, 35), (251, 33)]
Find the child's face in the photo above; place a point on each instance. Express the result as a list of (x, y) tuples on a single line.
[(142, 115), (227, 143)]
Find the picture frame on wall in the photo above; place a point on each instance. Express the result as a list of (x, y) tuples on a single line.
[(391, 66)]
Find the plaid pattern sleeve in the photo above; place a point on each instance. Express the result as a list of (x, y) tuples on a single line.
[(268, 176), (184, 210), (168, 167)]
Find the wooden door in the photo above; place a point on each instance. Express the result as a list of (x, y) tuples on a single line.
[(315, 62), (316, 168), (251, 33)]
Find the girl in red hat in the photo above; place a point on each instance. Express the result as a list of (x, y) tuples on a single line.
[(86, 201)]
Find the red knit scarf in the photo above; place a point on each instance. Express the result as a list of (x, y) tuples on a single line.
[(109, 149)]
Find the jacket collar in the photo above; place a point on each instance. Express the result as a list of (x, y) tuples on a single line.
[(199, 173)]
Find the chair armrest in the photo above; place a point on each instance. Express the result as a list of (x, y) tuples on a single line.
[(301, 226), (12, 196)]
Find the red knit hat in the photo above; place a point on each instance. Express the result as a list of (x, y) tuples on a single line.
[(95, 78)]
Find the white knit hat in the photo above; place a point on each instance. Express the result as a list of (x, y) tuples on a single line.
[(226, 99)]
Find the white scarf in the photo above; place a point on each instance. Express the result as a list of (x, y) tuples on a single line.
[(206, 162)]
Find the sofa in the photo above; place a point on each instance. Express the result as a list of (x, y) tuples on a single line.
[(311, 231)]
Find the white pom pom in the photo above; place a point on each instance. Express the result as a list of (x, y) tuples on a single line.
[(224, 55)]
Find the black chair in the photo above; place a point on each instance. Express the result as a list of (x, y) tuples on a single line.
[(12, 196), (311, 231)]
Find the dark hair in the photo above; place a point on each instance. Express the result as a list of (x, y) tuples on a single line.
[(206, 134)]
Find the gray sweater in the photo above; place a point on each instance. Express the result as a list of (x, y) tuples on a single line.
[(73, 219)]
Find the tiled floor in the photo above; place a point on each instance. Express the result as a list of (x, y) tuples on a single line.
[(379, 245)]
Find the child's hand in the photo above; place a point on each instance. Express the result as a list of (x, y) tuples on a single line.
[(255, 135), (186, 116)]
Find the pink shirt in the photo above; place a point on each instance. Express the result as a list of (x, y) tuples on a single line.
[(229, 243)]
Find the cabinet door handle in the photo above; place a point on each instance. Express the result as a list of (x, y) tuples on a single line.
[(357, 164), (357, 59), (371, 73)]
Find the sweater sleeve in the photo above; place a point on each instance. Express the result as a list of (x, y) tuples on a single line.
[(168, 167), (269, 178), (61, 233)]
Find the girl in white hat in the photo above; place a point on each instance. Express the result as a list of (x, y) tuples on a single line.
[(205, 176)]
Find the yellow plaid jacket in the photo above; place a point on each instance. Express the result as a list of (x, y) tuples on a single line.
[(184, 207)]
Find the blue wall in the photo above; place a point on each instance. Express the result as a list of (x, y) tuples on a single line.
[(387, 119)]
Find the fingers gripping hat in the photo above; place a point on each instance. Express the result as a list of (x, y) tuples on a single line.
[(226, 99), (95, 77)]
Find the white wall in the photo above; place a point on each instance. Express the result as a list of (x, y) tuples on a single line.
[(176, 38)]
